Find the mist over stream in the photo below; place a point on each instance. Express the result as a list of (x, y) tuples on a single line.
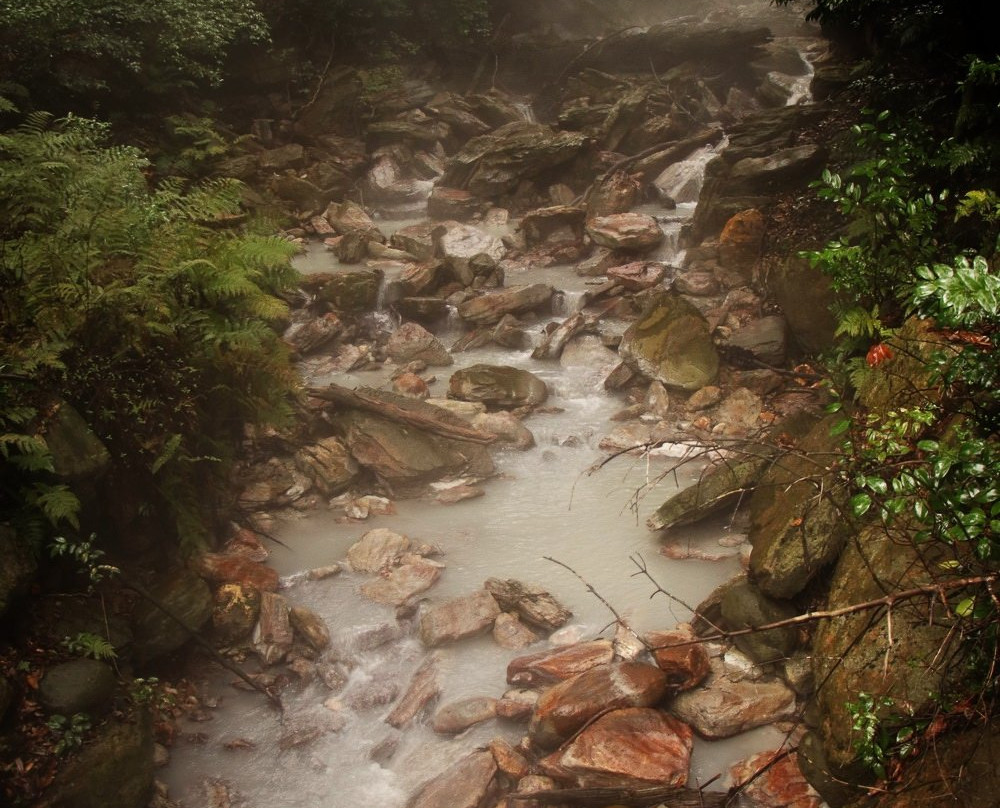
[(548, 502)]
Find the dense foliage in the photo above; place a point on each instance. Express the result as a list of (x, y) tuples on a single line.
[(142, 309)]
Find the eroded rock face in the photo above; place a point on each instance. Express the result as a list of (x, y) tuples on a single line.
[(498, 385), (567, 706), (458, 618), (628, 748), (465, 785), (672, 343)]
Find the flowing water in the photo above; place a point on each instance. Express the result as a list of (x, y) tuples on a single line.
[(550, 502)]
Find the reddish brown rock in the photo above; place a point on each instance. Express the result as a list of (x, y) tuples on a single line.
[(424, 688), (460, 715), (467, 784), (509, 632), (376, 549), (567, 706), (532, 603), (638, 275), (236, 569), (625, 231), (458, 618), (558, 664), (246, 543), (685, 662), (517, 704), (628, 748), (724, 708), (411, 386), (510, 761), (741, 240), (781, 785)]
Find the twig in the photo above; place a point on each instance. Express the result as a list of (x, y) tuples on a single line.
[(644, 570)]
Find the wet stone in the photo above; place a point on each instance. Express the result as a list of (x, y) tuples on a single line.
[(557, 664), (459, 716), (462, 617)]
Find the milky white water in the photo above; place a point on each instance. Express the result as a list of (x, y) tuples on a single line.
[(546, 502)]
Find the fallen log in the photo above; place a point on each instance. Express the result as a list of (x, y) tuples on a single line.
[(402, 410), (670, 796)]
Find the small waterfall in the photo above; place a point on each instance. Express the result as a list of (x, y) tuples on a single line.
[(526, 110), (568, 302)]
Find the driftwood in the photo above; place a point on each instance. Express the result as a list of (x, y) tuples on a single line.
[(670, 796), (402, 410)]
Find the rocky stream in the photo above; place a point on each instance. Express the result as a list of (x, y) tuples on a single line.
[(538, 339)]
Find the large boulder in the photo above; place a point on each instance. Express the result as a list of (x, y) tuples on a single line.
[(155, 633), (113, 770), (565, 707), (633, 232), (491, 308), (77, 686), (672, 344), (744, 606), (376, 550), (406, 459), (458, 244), (498, 386), (462, 617), (328, 464), (629, 748), (806, 297), (412, 342), (496, 163), (352, 291)]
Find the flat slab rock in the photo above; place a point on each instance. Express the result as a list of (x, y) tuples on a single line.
[(463, 617), (376, 549), (628, 748), (460, 715), (402, 584), (532, 603), (558, 664)]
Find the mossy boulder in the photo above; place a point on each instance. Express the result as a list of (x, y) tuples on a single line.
[(113, 770), (352, 291), (497, 386), (744, 606), (77, 686), (797, 523), (156, 634), (672, 343), (805, 296)]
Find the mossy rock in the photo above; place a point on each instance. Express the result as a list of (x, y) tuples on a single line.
[(352, 291), (855, 654), (904, 380), (797, 523), (77, 453), (157, 634), (805, 296), (671, 343), (112, 770), (744, 606), (77, 686)]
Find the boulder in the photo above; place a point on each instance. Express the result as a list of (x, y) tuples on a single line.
[(424, 687), (723, 707), (633, 232), (188, 597), (466, 784), (402, 584), (498, 386), (744, 606), (679, 656), (543, 224), (377, 549), (77, 686), (351, 291), (742, 241), (453, 203), (567, 706), (774, 779), (458, 716), (672, 344), (531, 602), (494, 164), (113, 770), (638, 275), (558, 664), (510, 632), (459, 245), (232, 568), (405, 459), (630, 748), (615, 194), (235, 613), (411, 342), (77, 453), (462, 617), (328, 464), (779, 170), (764, 339), (506, 427), (350, 217), (315, 334), (417, 239), (509, 760), (807, 300), (491, 308), (517, 704)]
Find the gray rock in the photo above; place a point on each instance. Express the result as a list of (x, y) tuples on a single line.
[(462, 617), (414, 342), (743, 606), (77, 686), (498, 385)]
